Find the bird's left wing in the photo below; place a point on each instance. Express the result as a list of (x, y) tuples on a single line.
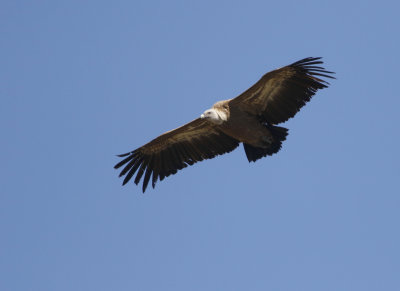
[(174, 150), (281, 93)]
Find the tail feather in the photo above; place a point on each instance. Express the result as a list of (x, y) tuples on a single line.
[(279, 135)]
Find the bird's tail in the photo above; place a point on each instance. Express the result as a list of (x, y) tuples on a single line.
[(278, 134)]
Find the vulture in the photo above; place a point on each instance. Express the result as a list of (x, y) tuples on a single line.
[(251, 119)]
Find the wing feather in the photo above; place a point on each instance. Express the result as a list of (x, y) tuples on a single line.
[(148, 173), (156, 169), (132, 169), (173, 151), (281, 93)]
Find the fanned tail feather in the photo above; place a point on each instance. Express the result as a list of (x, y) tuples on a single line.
[(279, 135)]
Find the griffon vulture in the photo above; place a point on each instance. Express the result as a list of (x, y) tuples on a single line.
[(250, 119)]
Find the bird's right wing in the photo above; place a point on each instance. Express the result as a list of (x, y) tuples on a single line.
[(174, 150)]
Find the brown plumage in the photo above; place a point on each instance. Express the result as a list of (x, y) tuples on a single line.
[(250, 118)]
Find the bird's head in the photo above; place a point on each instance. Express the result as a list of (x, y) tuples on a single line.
[(213, 115)]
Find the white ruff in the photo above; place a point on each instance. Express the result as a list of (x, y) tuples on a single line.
[(215, 116), (221, 114)]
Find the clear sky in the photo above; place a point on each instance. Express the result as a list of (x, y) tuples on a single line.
[(82, 81)]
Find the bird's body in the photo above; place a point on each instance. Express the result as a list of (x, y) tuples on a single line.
[(244, 127), (250, 119)]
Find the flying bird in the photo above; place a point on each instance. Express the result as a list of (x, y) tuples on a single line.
[(250, 118)]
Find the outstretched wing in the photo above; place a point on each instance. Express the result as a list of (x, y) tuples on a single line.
[(174, 150), (281, 93)]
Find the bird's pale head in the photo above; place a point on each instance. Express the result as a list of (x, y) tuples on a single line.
[(214, 116)]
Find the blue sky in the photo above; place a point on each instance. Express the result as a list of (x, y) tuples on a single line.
[(81, 81)]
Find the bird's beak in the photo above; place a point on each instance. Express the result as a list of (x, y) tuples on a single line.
[(202, 116)]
